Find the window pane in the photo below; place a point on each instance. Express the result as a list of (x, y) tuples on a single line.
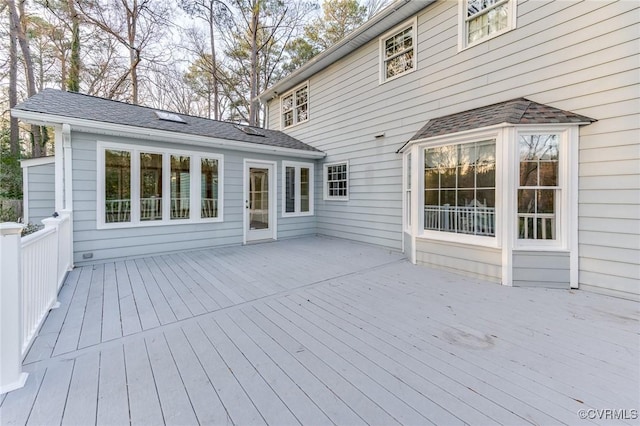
[(539, 155), (209, 188), (290, 189), (150, 186), (117, 191), (337, 180), (180, 187), (549, 173), (431, 178), (461, 197), (528, 173), (304, 189)]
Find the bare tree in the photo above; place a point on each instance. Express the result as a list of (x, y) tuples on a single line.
[(134, 24)]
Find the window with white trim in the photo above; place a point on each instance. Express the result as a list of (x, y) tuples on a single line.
[(297, 180), (484, 19), (336, 181), (295, 106), (460, 188), (147, 186), (538, 186), (398, 51)]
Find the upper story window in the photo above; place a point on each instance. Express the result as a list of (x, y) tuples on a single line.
[(295, 106), (460, 188), (146, 186), (398, 51), (484, 19), (336, 181), (298, 189)]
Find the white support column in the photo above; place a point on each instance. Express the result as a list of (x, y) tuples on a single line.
[(11, 375), (59, 169)]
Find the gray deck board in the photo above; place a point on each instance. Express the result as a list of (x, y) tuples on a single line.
[(91, 332), (321, 331), (81, 406), (111, 322), (113, 401), (144, 402), (70, 331), (129, 318), (205, 400), (437, 366), (49, 405)]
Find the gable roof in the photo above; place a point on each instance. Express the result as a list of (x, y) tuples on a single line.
[(392, 15), (56, 106), (516, 111)]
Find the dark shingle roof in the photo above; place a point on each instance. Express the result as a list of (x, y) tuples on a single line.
[(76, 105), (515, 111)]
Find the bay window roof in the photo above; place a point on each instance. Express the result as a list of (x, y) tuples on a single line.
[(519, 111)]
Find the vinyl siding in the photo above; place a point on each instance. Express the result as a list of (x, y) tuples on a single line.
[(109, 244), (41, 192), (473, 261), (577, 56), (541, 269)]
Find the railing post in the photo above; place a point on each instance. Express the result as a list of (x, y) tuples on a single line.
[(54, 222), (11, 375)]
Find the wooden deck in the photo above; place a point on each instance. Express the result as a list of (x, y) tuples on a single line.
[(321, 331)]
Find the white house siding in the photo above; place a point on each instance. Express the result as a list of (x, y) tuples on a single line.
[(540, 269), (577, 56), (474, 261), (40, 192), (109, 244)]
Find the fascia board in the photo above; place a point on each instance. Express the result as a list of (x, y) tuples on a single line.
[(410, 143), (90, 126)]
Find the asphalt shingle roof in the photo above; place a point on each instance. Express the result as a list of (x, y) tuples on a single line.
[(81, 106), (515, 111)]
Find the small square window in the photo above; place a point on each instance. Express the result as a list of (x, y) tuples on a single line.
[(336, 181)]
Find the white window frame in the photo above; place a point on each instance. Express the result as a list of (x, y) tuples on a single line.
[(566, 181), (195, 190), (413, 24), (463, 27), (292, 92), (494, 241), (325, 177), (297, 187)]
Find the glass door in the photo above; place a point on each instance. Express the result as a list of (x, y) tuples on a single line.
[(259, 202)]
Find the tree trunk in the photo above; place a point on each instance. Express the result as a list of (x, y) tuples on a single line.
[(253, 84), (14, 142), (134, 54), (214, 65), (73, 80), (36, 140)]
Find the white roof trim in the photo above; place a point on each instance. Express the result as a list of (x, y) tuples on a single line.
[(91, 126), (28, 162), (484, 129)]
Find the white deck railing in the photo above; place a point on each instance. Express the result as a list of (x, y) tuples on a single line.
[(464, 220), (32, 271), (151, 209)]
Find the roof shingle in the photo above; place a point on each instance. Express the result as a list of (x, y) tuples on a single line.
[(515, 111), (81, 106)]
